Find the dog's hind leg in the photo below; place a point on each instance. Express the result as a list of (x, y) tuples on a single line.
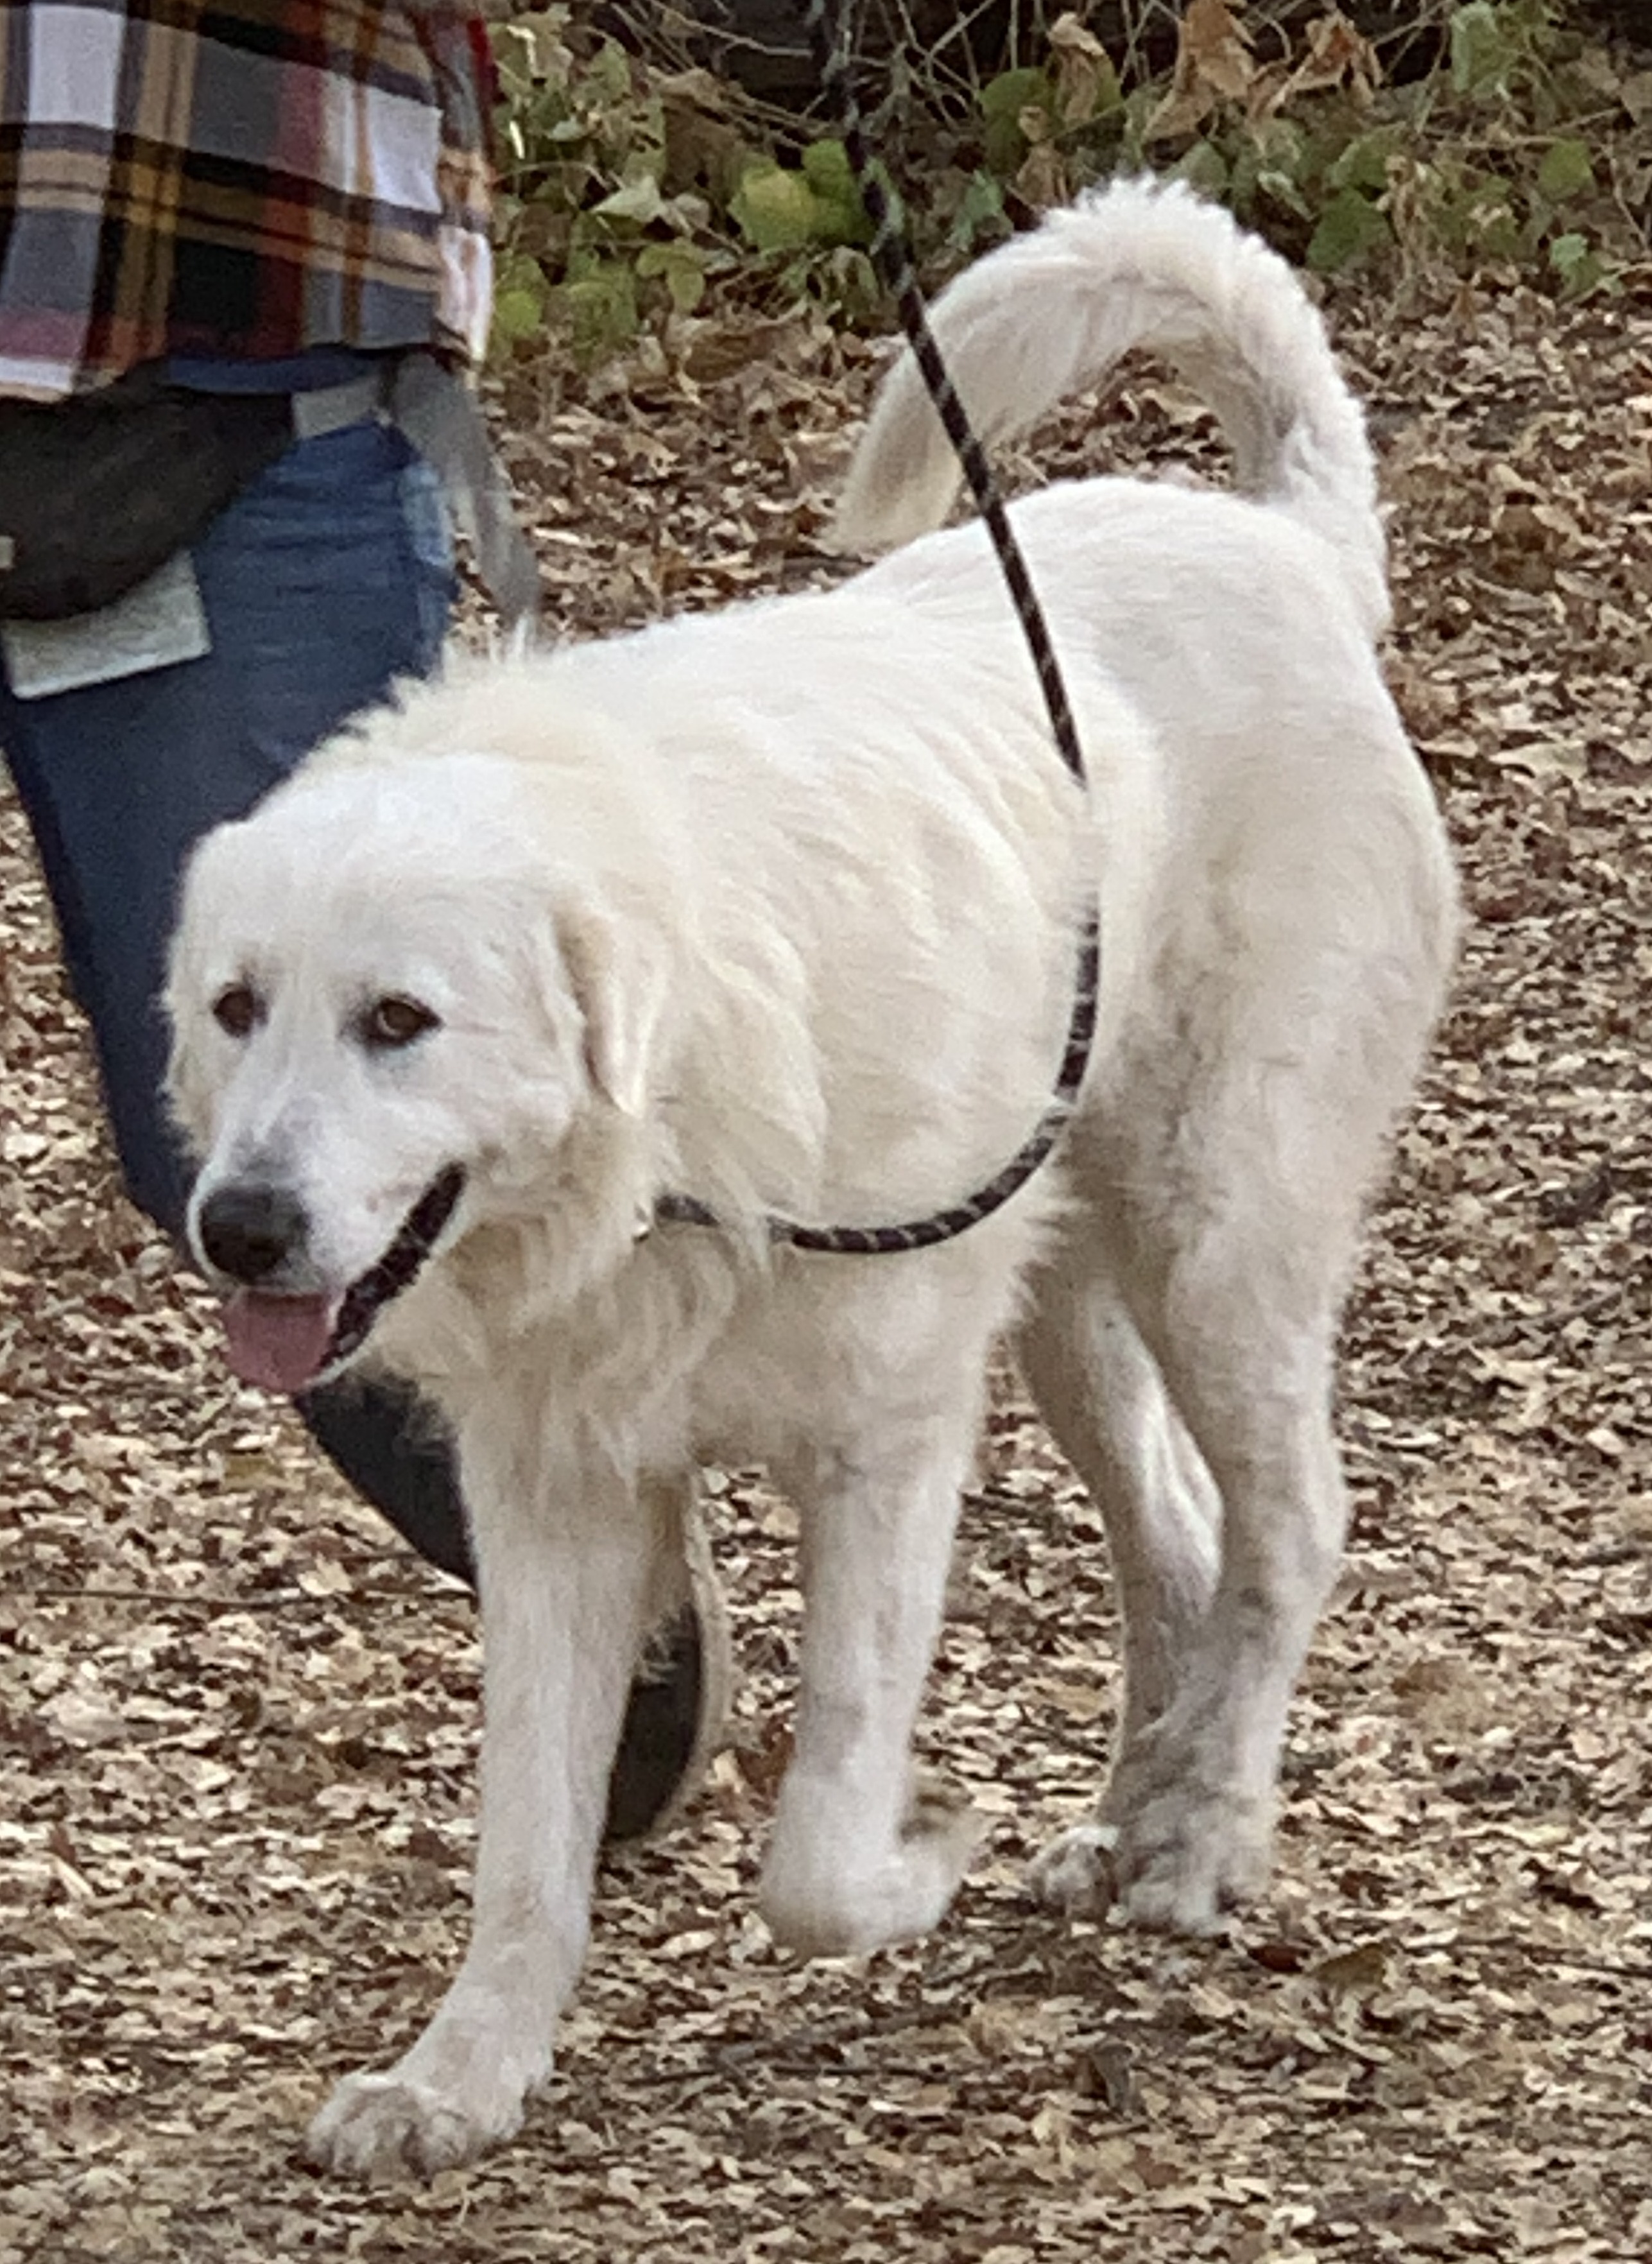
[(1235, 1266), (1184, 1826), (1192, 1794), (1229, 1160), (1099, 1391), (1228, 1196), (854, 1861), (567, 1566)]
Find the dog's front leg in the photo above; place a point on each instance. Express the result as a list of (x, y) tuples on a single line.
[(856, 1860), (565, 1559)]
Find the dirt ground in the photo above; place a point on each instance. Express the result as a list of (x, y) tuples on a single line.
[(237, 1724)]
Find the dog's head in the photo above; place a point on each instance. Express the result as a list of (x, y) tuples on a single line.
[(389, 1010)]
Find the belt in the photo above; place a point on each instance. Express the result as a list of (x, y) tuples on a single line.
[(440, 415)]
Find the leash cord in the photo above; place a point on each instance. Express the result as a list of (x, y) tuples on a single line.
[(891, 256)]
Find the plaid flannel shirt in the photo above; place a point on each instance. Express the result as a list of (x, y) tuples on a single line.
[(249, 178)]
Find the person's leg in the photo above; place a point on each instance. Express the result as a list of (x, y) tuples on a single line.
[(326, 580), (321, 584)]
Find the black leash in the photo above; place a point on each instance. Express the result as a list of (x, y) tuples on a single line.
[(892, 257)]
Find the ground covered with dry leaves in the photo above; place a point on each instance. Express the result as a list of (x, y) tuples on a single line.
[(237, 1725)]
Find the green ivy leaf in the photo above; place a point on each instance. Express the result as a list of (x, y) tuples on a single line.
[(608, 75), (1002, 101), (1350, 228), (1363, 164), (1579, 265), (1008, 95), (842, 218), (1482, 53), (521, 295), (681, 267), (774, 209), (519, 315), (600, 309), (980, 214), (780, 210), (639, 203), (1481, 220), (1270, 181), (1567, 170), (1204, 168), (827, 170)]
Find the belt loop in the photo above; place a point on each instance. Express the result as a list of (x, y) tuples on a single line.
[(330, 408)]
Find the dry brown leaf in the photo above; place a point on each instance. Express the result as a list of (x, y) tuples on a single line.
[(255, 1873)]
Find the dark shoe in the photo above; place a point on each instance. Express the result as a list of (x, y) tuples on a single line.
[(661, 1730)]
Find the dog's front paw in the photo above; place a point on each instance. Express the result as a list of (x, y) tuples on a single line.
[(817, 1899), (388, 2125)]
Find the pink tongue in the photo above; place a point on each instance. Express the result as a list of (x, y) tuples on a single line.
[(280, 1342)]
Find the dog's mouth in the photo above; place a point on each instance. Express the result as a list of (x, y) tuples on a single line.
[(288, 1344)]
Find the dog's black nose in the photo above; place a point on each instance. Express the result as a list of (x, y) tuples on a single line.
[(247, 1230)]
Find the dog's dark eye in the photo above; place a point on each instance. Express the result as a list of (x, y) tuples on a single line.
[(394, 1021), (238, 1010)]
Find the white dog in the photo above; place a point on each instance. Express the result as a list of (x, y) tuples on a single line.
[(776, 911)]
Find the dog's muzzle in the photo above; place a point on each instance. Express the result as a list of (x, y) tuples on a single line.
[(248, 1231), (288, 1341)]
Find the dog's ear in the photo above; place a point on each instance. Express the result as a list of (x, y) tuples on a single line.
[(184, 1090), (620, 980), (188, 1087)]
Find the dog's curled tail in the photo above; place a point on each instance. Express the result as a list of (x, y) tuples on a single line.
[(1048, 315)]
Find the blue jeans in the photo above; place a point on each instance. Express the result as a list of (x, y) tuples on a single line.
[(327, 578)]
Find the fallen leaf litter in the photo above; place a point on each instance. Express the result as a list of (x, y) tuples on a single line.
[(237, 1724)]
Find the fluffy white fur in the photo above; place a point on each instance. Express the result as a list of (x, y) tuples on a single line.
[(776, 908)]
